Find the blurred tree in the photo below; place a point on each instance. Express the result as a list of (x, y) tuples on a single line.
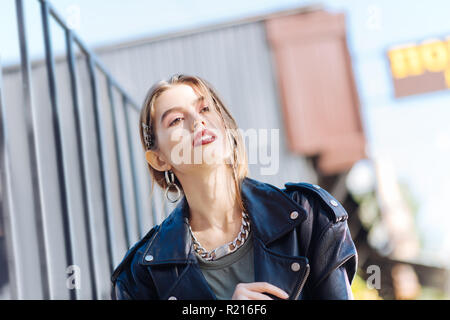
[(361, 291)]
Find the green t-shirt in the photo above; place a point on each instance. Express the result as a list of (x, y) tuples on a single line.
[(225, 273)]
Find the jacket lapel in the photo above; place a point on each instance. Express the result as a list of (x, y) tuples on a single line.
[(173, 265), (271, 210), (277, 269), (185, 283)]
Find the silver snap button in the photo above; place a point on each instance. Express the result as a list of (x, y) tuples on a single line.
[(316, 186), (334, 203), (295, 266), (172, 298), (148, 257), (294, 215)]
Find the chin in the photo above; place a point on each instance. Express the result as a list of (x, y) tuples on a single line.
[(213, 156)]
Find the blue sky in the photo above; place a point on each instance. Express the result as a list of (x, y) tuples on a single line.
[(413, 132)]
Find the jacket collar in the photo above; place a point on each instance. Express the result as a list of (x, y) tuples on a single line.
[(269, 210)]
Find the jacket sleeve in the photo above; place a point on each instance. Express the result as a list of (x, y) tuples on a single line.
[(129, 280), (133, 283), (331, 252), (120, 292), (333, 264)]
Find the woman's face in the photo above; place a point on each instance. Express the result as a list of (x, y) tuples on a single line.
[(180, 119)]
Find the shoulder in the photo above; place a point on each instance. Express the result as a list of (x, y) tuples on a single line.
[(326, 231), (129, 261), (316, 199)]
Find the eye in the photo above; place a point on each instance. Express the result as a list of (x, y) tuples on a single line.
[(175, 121), (205, 107)]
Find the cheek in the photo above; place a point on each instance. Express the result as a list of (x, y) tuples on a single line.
[(225, 147), (170, 136), (223, 132), (176, 138)]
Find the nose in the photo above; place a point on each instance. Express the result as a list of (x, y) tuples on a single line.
[(196, 122)]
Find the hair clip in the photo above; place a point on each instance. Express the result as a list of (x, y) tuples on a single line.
[(147, 135)]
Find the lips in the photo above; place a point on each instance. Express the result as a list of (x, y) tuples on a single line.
[(203, 137)]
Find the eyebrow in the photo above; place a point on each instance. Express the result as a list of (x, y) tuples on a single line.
[(166, 113)]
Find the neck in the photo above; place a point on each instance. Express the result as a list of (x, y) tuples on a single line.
[(211, 195)]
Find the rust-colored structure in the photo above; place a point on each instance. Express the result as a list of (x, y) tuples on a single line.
[(318, 93)]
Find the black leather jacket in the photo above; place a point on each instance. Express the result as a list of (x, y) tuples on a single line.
[(162, 265)]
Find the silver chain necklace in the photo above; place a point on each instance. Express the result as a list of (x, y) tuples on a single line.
[(224, 249)]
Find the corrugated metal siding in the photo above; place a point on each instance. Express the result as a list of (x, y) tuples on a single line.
[(55, 255)]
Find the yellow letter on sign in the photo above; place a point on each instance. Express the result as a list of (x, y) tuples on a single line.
[(415, 66), (399, 67), (434, 55)]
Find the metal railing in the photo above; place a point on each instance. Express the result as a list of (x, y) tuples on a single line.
[(31, 272)]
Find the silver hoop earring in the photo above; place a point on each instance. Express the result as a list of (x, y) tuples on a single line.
[(171, 183)]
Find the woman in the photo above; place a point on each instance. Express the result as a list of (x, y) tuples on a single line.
[(230, 236)]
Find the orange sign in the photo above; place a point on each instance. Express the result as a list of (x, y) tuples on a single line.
[(420, 68)]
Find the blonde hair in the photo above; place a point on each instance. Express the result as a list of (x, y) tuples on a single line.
[(239, 162)]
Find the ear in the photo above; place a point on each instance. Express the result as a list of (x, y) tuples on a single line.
[(156, 161)]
